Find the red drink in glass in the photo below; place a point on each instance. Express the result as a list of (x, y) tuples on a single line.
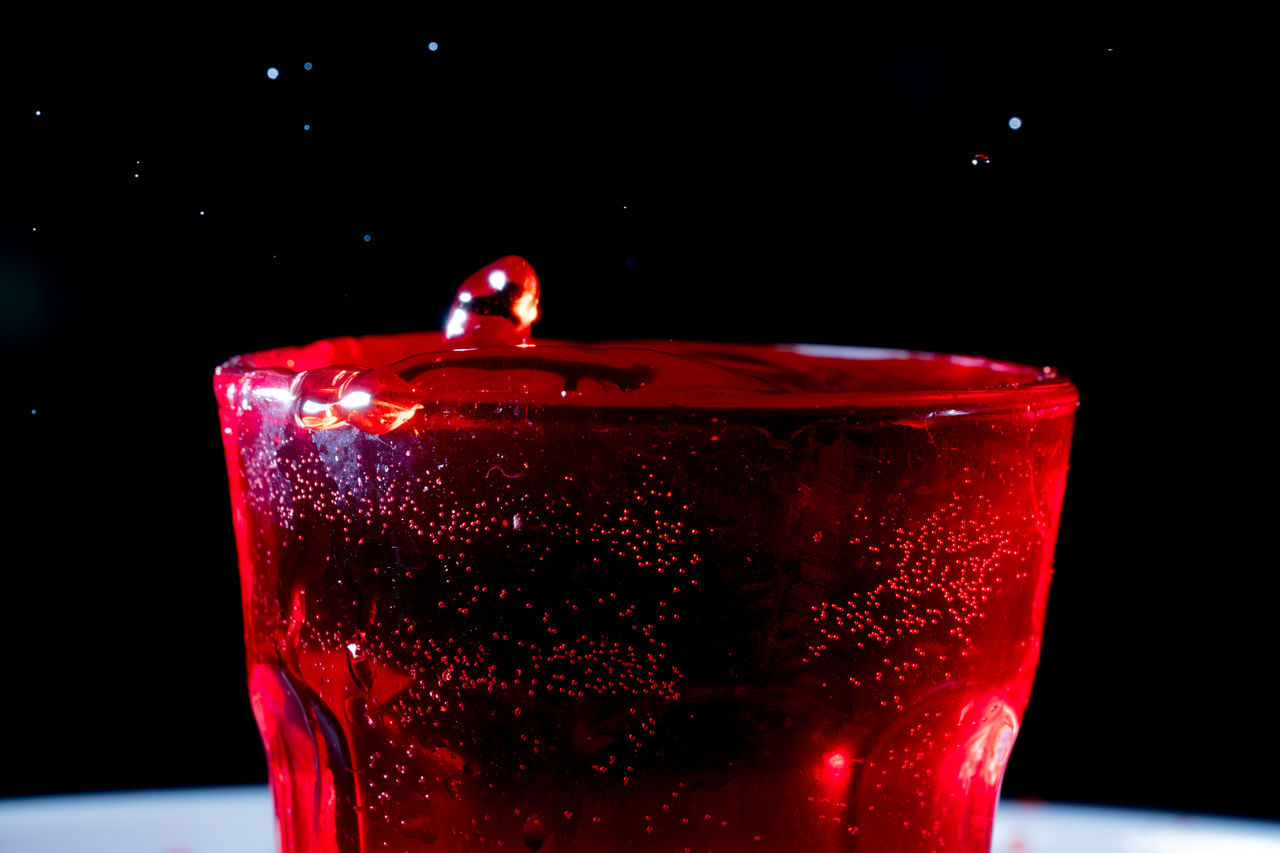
[(640, 597)]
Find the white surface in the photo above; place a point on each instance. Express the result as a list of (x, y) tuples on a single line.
[(239, 820), (199, 820)]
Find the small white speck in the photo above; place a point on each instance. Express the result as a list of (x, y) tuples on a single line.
[(1015, 123), (273, 72), (34, 227), (432, 46), (227, 430), (464, 296), (135, 174), (497, 279)]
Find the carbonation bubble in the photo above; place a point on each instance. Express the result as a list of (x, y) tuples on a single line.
[(495, 306), (535, 833)]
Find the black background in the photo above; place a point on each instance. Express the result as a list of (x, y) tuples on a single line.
[(772, 181)]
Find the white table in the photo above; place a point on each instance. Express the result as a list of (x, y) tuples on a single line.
[(239, 820)]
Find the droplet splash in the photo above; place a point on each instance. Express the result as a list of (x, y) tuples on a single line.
[(495, 306)]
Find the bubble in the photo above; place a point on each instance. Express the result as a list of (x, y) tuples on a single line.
[(534, 833), (273, 73), (1015, 123)]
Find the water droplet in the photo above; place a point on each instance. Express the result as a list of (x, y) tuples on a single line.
[(306, 66), (432, 46), (1015, 123), (980, 161), (273, 72), (495, 305)]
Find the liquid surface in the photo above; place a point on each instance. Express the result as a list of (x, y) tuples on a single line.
[(603, 598)]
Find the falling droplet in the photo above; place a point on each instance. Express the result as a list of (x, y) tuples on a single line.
[(495, 305), (980, 161)]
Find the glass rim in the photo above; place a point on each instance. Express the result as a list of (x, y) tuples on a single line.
[(1011, 386)]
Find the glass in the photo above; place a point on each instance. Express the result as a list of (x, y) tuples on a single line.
[(651, 596)]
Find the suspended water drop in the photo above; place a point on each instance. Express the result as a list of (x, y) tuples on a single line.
[(273, 73), (495, 305), (1015, 123)]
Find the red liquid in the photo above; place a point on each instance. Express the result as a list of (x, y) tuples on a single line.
[(750, 600)]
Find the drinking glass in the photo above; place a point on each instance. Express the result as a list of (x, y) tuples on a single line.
[(647, 596)]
